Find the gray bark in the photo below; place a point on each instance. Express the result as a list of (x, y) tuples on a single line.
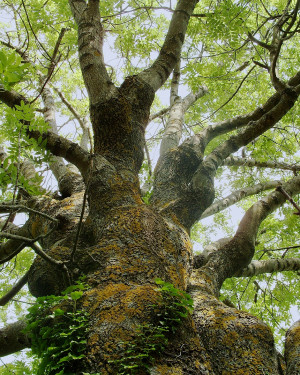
[(12, 339)]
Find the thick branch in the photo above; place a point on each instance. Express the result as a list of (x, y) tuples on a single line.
[(253, 130), (61, 146), (238, 195), (170, 52), (257, 267), (175, 83), (245, 162), (90, 48), (224, 127), (251, 221), (11, 98), (175, 121), (237, 253), (58, 145), (12, 338)]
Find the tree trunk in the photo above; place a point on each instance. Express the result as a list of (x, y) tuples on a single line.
[(104, 231), (123, 248)]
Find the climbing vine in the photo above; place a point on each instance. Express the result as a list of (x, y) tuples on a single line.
[(151, 339), (58, 331)]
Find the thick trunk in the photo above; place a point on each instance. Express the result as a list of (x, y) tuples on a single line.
[(123, 247)]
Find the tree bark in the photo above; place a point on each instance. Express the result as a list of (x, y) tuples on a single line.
[(121, 245)]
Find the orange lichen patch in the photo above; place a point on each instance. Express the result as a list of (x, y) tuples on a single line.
[(178, 276), (36, 227), (116, 303), (237, 342), (95, 297), (166, 370), (230, 338), (292, 348)]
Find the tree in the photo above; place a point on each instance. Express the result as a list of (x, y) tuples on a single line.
[(236, 64)]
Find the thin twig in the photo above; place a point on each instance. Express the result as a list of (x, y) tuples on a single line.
[(290, 199), (82, 211), (230, 98), (13, 254), (18, 207)]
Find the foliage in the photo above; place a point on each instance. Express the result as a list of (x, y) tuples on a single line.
[(151, 339), (10, 273), (58, 335)]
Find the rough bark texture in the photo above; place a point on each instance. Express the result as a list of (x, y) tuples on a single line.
[(124, 244)]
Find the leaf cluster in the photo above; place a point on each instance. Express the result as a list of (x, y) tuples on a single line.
[(58, 335), (12, 69)]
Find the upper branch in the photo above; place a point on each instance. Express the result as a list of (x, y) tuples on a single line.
[(14, 290), (257, 267), (90, 48), (173, 131), (58, 145), (223, 127), (238, 195), (254, 129), (245, 162), (170, 52), (61, 146)]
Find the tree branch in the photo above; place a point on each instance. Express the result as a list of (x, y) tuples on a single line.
[(175, 83), (237, 253), (257, 267), (245, 162), (11, 248), (90, 48), (12, 338), (237, 196), (85, 139), (159, 113), (170, 52), (223, 127), (4, 208), (58, 145), (173, 131), (253, 130), (14, 290), (31, 243)]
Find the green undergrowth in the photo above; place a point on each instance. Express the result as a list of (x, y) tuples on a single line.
[(58, 331), (151, 339)]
